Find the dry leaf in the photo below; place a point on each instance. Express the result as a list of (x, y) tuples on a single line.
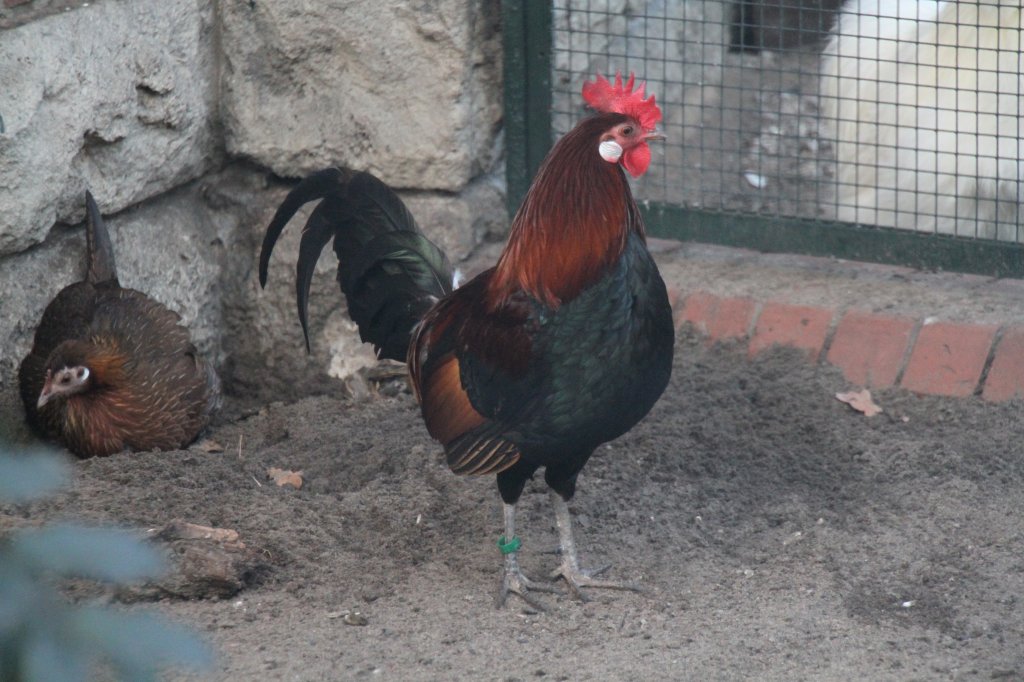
[(860, 401), (284, 477), (210, 446)]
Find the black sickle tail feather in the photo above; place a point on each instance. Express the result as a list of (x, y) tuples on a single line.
[(390, 273), (100, 251)]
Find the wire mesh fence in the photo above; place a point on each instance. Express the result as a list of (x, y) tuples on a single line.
[(900, 114)]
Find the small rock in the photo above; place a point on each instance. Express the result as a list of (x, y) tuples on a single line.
[(207, 563), (355, 618)]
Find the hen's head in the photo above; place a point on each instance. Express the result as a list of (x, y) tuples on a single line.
[(73, 368), (625, 142)]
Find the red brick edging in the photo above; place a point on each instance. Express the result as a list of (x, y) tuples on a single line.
[(877, 351)]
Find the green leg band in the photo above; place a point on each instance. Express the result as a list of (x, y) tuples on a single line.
[(510, 546)]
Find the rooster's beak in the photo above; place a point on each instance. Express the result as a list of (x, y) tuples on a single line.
[(654, 135)]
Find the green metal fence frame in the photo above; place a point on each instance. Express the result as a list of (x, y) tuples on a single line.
[(527, 26)]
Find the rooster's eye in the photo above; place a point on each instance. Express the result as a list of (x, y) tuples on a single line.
[(628, 130)]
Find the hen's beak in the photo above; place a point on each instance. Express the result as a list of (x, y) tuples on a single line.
[(47, 392), (654, 135)]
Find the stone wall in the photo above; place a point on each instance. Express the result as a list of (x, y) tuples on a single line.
[(189, 119), (406, 90), (119, 97)]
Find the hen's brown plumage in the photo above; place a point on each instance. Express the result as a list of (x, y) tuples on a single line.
[(111, 369)]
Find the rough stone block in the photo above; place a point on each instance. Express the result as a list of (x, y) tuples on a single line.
[(116, 97), (411, 92)]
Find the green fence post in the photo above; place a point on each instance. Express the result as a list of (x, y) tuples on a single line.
[(526, 27)]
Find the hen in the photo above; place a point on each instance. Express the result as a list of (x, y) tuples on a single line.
[(110, 368), (564, 345)]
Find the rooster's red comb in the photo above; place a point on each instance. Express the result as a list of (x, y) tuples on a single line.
[(622, 99)]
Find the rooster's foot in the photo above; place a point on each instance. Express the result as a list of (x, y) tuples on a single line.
[(577, 578), (514, 582)]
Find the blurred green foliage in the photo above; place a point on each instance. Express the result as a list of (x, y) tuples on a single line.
[(45, 639)]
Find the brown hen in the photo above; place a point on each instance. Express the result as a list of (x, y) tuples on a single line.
[(111, 369)]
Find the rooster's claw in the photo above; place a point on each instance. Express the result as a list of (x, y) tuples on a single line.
[(514, 582)]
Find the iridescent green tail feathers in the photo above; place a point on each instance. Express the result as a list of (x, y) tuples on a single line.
[(390, 273)]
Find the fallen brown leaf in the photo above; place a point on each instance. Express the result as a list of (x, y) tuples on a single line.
[(210, 446), (860, 401), (285, 477)]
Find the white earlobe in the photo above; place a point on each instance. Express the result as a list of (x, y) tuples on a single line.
[(610, 151)]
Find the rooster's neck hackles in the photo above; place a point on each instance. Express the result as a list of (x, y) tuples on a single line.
[(574, 222)]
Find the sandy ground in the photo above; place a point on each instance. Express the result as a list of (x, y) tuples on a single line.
[(778, 535)]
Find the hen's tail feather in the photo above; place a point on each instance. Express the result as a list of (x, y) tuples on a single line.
[(100, 251), (390, 273)]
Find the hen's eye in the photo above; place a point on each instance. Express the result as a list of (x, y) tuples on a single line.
[(628, 130)]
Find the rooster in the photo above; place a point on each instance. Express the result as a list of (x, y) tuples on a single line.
[(110, 368), (564, 345)]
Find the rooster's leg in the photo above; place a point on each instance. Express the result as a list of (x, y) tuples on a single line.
[(514, 581), (570, 570)]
